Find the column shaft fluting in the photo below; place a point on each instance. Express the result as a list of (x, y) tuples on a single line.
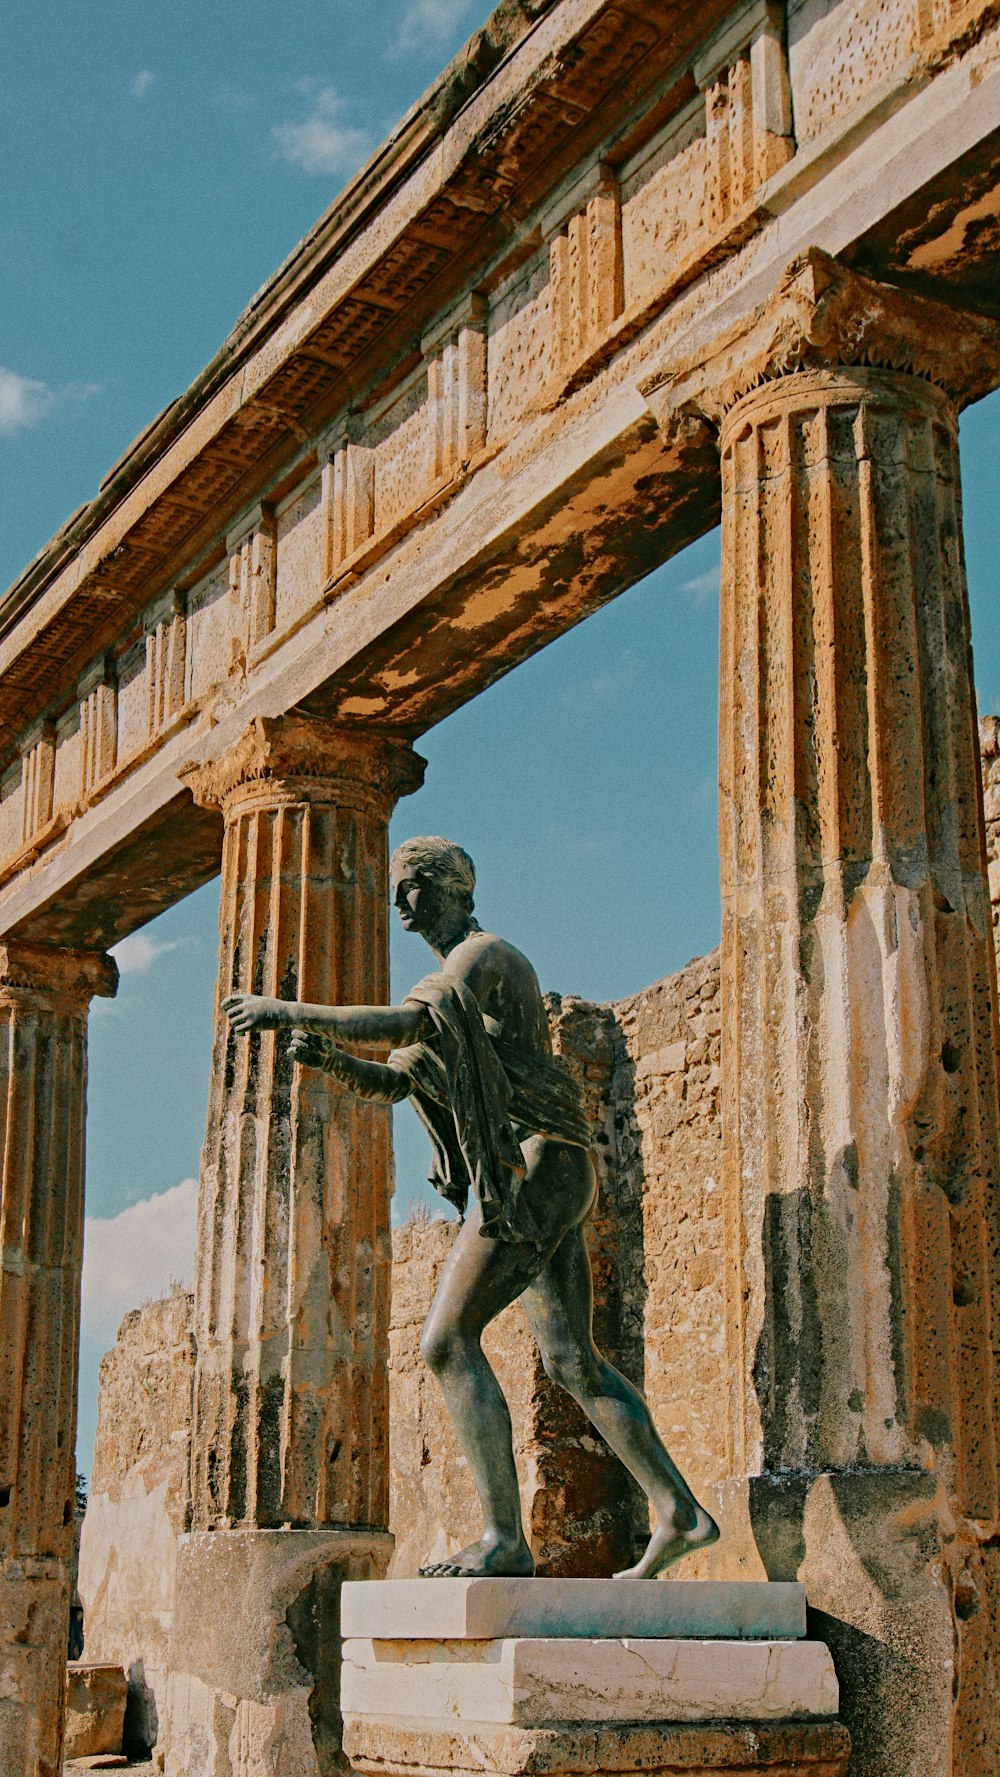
[(292, 1285), (44, 996), (860, 1091)]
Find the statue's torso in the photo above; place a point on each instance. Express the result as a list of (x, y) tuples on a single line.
[(506, 988)]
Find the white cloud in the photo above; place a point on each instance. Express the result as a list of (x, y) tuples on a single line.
[(135, 1256), (24, 400), (428, 23), (137, 954), (321, 142), (142, 83), (702, 588)]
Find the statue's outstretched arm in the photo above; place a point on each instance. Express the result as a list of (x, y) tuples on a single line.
[(394, 1026), (371, 1080)]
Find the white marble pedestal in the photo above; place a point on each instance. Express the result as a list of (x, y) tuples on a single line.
[(512, 1676)]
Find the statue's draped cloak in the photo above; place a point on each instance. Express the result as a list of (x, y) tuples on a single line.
[(473, 1092)]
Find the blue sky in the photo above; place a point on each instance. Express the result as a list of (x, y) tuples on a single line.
[(159, 164)]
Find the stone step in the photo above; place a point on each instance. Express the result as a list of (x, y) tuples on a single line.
[(392, 1748), (472, 1609), (531, 1681)]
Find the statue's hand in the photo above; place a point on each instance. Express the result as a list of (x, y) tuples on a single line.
[(250, 1011), (311, 1050)]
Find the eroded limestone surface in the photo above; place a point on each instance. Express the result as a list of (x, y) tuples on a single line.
[(135, 1508)]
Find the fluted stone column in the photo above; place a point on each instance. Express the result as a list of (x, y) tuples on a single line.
[(861, 1090), (289, 1469), (859, 1094), (44, 997)]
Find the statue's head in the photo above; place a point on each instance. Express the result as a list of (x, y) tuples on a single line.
[(432, 883)]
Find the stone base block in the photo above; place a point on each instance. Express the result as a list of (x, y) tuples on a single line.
[(478, 1749), (95, 1709), (254, 1669), (530, 1682), (34, 1630), (468, 1609)]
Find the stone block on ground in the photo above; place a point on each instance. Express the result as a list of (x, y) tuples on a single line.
[(95, 1709)]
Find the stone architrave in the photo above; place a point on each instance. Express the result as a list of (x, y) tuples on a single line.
[(44, 997), (289, 1466), (860, 1131)]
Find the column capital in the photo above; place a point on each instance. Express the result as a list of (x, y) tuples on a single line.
[(306, 759), (824, 316), (64, 980)]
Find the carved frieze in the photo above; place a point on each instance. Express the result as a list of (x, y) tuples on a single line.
[(251, 547), (166, 659), (586, 274), (98, 696), (38, 765), (348, 471), (455, 355)]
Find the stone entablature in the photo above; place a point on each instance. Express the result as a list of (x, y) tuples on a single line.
[(238, 556)]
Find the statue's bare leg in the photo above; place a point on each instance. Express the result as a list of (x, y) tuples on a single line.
[(481, 1278), (559, 1306)]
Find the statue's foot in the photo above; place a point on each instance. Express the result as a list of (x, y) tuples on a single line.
[(493, 1558), (668, 1544)]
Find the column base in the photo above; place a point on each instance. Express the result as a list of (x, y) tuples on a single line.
[(254, 1677), (905, 1595), (478, 1749), (34, 1638)]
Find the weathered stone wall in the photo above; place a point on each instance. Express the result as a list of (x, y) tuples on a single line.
[(665, 1098), (136, 1504)]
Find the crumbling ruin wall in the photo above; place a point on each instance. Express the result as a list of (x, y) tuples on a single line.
[(668, 1148), (135, 1507)]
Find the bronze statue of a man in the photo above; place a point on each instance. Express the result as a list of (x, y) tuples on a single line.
[(507, 1127)]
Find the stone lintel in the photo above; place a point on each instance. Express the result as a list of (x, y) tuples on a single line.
[(75, 976), (469, 1749), (309, 760), (473, 1609), (822, 315)]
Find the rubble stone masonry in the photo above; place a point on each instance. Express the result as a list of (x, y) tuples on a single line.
[(135, 1510)]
